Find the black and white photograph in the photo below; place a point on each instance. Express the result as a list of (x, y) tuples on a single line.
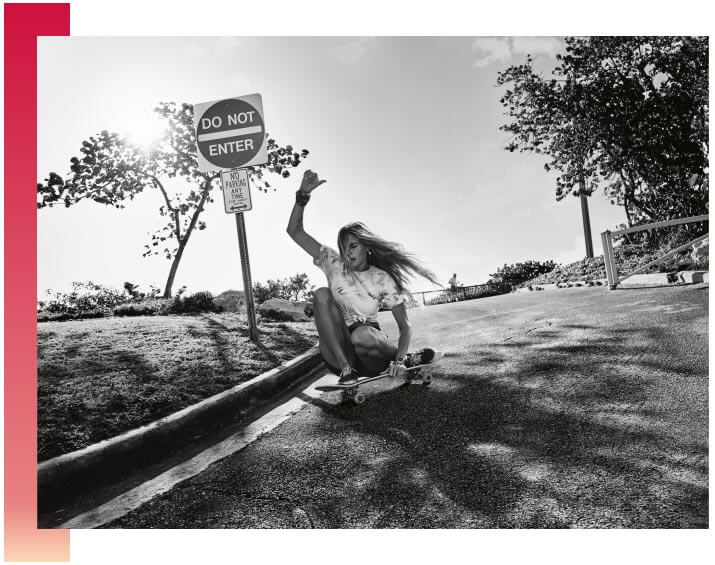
[(414, 282)]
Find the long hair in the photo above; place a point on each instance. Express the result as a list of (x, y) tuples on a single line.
[(389, 256)]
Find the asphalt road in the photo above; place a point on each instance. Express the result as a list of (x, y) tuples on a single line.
[(574, 408)]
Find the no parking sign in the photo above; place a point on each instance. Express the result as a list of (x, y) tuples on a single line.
[(236, 191), (230, 133)]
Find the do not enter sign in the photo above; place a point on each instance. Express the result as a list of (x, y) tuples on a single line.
[(230, 133)]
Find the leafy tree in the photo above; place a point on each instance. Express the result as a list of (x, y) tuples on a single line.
[(520, 272), (296, 287), (271, 289), (629, 114), (300, 287), (112, 171)]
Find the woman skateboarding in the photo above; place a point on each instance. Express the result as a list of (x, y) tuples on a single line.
[(366, 273)]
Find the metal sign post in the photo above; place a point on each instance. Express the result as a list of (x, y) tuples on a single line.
[(237, 198), (246, 269), (231, 134)]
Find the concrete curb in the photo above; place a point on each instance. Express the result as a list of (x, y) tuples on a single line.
[(694, 277), (128, 447), (647, 279), (663, 279)]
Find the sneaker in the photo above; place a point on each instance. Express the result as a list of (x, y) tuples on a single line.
[(423, 357), (348, 376)]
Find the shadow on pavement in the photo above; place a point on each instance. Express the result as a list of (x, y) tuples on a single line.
[(566, 437), (561, 426)]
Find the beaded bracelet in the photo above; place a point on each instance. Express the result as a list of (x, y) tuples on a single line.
[(301, 198)]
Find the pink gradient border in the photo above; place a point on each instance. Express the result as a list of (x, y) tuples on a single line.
[(23, 541)]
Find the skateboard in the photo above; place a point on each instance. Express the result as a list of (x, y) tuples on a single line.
[(352, 392)]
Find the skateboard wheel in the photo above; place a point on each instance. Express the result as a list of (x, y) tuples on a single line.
[(359, 398), (427, 378)]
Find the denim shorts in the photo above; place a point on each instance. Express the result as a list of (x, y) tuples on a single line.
[(356, 325)]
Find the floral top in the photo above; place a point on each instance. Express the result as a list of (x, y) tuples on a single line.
[(359, 295)]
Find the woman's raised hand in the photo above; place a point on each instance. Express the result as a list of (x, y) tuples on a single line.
[(310, 182)]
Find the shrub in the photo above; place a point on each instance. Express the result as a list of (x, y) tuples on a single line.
[(196, 303), (90, 300), (87, 300), (519, 272), (657, 239), (200, 302), (45, 316), (133, 291), (142, 308)]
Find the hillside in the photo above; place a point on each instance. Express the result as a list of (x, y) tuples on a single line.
[(628, 258), (231, 301)]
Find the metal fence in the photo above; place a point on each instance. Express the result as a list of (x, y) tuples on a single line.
[(610, 257), (432, 297)]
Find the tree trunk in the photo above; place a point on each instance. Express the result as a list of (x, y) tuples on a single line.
[(174, 268), (630, 194), (184, 240), (626, 204)]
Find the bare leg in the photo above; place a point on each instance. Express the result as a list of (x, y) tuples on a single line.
[(335, 344), (373, 347)]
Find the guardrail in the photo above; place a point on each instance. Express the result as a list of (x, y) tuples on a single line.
[(432, 297), (609, 256)]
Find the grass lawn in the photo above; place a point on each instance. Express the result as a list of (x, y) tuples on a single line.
[(98, 378)]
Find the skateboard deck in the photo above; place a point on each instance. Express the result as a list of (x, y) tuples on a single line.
[(351, 392)]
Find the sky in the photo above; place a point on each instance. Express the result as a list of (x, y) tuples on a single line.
[(404, 129)]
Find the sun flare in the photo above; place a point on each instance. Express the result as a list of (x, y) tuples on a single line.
[(146, 132)]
